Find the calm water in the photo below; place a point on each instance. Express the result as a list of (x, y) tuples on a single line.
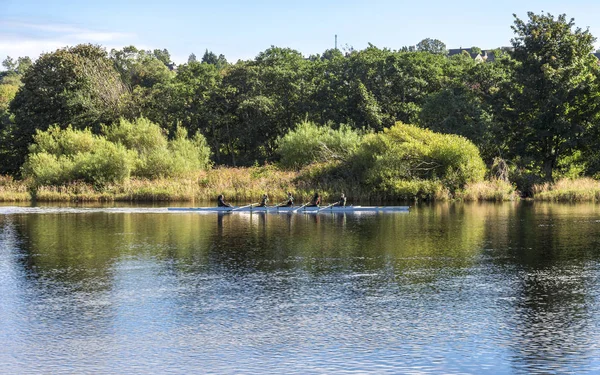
[(511, 288)]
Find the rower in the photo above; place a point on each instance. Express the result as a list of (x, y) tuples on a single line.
[(264, 201), (315, 201), (221, 201), (341, 202), (289, 202)]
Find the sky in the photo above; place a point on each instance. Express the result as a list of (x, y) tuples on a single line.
[(242, 29)]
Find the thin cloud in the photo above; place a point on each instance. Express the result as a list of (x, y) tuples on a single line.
[(33, 39)]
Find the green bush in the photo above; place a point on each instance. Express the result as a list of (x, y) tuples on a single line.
[(107, 163), (138, 148), (141, 135), (404, 153), (309, 143), (60, 156)]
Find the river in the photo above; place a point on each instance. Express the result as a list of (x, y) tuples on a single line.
[(510, 288)]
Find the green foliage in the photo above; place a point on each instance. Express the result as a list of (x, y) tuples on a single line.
[(432, 46), (138, 148), (75, 86), (155, 155), (60, 156), (459, 110), (552, 100), (140, 135), (396, 159), (309, 143)]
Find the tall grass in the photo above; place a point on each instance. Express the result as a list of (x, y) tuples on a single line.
[(12, 190), (568, 190), (494, 190)]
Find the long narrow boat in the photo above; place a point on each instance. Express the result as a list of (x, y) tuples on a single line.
[(299, 209)]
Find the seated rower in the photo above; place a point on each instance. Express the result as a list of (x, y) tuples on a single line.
[(264, 201), (341, 202), (221, 201), (289, 202), (315, 201)]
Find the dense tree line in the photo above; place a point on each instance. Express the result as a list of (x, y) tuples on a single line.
[(535, 105)]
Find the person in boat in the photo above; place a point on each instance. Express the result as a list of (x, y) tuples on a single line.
[(289, 202), (221, 201), (341, 202), (315, 201), (264, 201)]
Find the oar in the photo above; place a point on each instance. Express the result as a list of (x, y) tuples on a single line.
[(324, 208), (296, 209), (239, 208)]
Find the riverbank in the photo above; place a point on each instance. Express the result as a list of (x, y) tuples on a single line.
[(248, 184)]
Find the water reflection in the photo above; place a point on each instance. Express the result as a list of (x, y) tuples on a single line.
[(447, 288)]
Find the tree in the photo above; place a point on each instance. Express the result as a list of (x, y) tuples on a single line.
[(553, 95), (139, 67), (476, 50), (192, 58), (9, 63), (210, 58), (24, 63), (432, 46), (162, 55), (76, 85)]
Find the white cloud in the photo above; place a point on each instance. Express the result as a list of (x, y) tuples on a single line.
[(30, 39)]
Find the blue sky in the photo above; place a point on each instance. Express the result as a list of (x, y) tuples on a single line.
[(242, 29)]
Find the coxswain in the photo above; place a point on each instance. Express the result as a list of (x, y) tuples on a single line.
[(289, 202), (342, 201), (264, 201), (315, 201), (221, 201)]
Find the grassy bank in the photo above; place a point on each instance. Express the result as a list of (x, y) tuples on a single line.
[(567, 190), (13, 190), (242, 185)]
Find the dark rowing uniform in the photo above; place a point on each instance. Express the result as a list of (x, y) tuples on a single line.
[(221, 202), (341, 202), (315, 202), (289, 203), (263, 202)]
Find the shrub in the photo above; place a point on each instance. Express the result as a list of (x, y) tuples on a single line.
[(309, 143), (141, 135), (403, 153), (61, 156), (156, 156), (136, 148)]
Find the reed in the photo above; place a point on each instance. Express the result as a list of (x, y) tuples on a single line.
[(494, 190), (12, 190), (568, 190)]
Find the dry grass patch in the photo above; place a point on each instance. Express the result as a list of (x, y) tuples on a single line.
[(568, 190), (493, 190), (12, 190)]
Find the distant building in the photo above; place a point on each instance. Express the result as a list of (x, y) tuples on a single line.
[(488, 55), (484, 56), (172, 67)]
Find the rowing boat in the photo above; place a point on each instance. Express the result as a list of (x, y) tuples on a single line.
[(294, 209)]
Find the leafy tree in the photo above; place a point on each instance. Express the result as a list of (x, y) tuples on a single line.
[(24, 63), (76, 85), (10, 64), (140, 68), (162, 55), (432, 46), (553, 94), (192, 58), (210, 58), (476, 50)]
